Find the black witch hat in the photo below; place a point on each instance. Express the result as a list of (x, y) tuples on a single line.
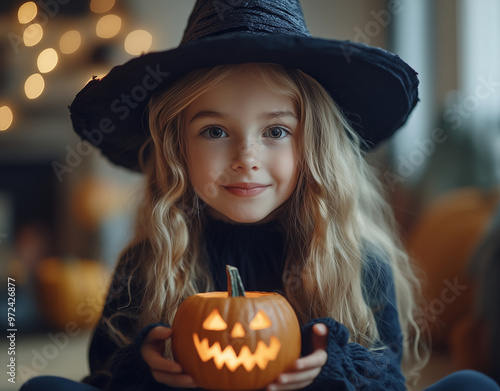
[(375, 89)]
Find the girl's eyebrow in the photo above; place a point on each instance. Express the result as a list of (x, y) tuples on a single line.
[(216, 114), (207, 113), (278, 114)]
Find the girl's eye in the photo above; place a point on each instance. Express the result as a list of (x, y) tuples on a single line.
[(277, 132), (215, 132)]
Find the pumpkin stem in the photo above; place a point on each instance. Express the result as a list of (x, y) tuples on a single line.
[(234, 285)]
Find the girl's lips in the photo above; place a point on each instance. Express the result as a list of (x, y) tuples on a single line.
[(246, 189)]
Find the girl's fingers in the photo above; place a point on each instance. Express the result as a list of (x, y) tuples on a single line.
[(305, 370), (159, 363), (157, 334), (316, 359), (155, 340), (166, 371), (163, 370), (152, 350), (298, 377), (319, 336)]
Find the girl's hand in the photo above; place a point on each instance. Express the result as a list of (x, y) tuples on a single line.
[(164, 371), (306, 368)]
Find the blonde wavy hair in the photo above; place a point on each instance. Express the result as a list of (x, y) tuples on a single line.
[(337, 213)]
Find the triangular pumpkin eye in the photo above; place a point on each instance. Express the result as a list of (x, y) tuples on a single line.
[(260, 321), (214, 321)]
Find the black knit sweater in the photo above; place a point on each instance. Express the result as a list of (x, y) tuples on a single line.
[(258, 252)]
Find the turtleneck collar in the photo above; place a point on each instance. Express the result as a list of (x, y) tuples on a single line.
[(257, 250)]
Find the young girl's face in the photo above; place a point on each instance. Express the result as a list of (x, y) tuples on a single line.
[(241, 148)]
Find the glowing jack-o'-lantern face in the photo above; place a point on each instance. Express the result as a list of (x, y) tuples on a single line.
[(235, 343), (261, 356)]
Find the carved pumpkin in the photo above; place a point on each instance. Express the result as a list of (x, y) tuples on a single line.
[(235, 340)]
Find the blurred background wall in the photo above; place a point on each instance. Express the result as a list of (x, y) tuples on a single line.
[(65, 212)]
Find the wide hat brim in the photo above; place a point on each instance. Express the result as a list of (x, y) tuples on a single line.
[(375, 89)]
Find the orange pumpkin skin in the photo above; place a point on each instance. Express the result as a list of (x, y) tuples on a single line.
[(279, 339)]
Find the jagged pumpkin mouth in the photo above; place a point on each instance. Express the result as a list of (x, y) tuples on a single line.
[(261, 357)]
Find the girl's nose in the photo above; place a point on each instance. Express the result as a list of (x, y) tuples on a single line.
[(247, 158)]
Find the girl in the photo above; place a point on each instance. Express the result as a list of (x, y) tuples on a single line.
[(250, 162)]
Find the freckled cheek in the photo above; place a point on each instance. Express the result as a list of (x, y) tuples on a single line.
[(284, 171), (205, 166)]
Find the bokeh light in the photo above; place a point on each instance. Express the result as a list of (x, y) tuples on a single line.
[(101, 6), (47, 60), (70, 42), (108, 26), (138, 42), (27, 12), (32, 34), (6, 118), (34, 86)]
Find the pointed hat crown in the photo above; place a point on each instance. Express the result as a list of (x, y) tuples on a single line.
[(262, 17)]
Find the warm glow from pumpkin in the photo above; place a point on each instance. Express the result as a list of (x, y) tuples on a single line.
[(261, 357), (238, 331), (261, 321), (222, 295), (214, 321)]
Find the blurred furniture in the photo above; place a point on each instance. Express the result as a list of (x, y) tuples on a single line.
[(443, 241), (71, 292)]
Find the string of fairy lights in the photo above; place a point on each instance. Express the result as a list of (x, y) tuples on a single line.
[(109, 25)]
